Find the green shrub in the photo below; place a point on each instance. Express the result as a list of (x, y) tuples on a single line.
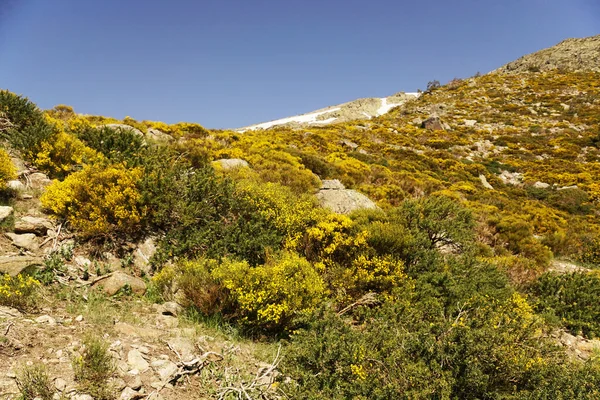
[(34, 383), (573, 201), (30, 127), (93, 368), (118, 145), (18, 291), (574, 298)]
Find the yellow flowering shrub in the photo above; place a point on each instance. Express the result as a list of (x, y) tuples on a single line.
[(63, 154), (18, 291), (272, 295), (98, 200), (371, 274), (7, 169)]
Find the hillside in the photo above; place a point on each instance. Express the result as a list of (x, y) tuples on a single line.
[(353, 110), (447, 248)]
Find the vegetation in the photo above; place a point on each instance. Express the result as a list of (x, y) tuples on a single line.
[(442, 292), (93, 368), (34, 383), (19, 291)]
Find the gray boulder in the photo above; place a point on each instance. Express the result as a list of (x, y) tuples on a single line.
[(15, 185), (231, 163), (123, 127), (14, 265), (434, 124), (38, 181), (334, 196), (118, 280), (36, 225), (26, 241), (143, 253), (158, 136), (5, 213)]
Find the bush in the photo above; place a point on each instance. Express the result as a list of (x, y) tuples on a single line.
[(29, 126), (118, 145), (93, 368), (33, 383), (99, 201), (273, 296), (19, 292), (63, 154), (574, 298), (7, 169)]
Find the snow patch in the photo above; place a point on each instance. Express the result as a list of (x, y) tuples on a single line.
[(305, 118)]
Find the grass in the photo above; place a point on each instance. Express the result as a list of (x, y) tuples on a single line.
[(93, 368), (33, 382)]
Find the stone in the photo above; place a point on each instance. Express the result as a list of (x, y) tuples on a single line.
[(231, 163), (27, 241), (123, 127), (167, 321), (158, 135), (332, 184), (118, 280), (170, 308), (82, 262), (485, 183), (45, 319), (567, 187), (183, 346), (434, 124), (351, 145), (14, 265), (136, 360), (79, 318), (470, 122), (19, 165), (38, 181), (9, 312), (143, 254), (35, 225), (541, 185), (15, 185), (118, 384), (60, 384), (135, 382), (344, 201), (130, 394), (5, 212), (164, 368)]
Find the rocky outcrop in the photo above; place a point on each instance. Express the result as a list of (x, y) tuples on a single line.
[(143, 254), (25, 241), (158, 136), (123, 127), (38, 181), (434, 123), (337, 198), (570, 55)]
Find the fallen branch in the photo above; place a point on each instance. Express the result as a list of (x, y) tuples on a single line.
[(10, 324), (367, 300)]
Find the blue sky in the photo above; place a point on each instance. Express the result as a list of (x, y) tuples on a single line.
[(230, 63)]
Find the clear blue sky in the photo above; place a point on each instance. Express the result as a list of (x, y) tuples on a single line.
[(229, 63)]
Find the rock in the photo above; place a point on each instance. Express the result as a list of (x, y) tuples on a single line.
[(143, 254), (135, 382), (164, 369), (36, 225), (60, 384), (130, 394), (470, 122), (342, 201), (183, 346), (158, 136), (332, 184), (113, 261), (19, 165), (511, 178), (15, 185), (27, 241), (79, 318), (5, 212), (485, 183), (82, 262), (567, 187), (14, 265), (231, 163), (82, 397), (349, 144), (9, 312), (434, 124), (136, 360), (170, 308), (541, 185), (38, 181), (118, 280), (118, 384), (123, 127), (45, 319), (167, 321)]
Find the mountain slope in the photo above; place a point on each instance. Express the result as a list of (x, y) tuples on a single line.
[(357, 109), (581, 54)]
